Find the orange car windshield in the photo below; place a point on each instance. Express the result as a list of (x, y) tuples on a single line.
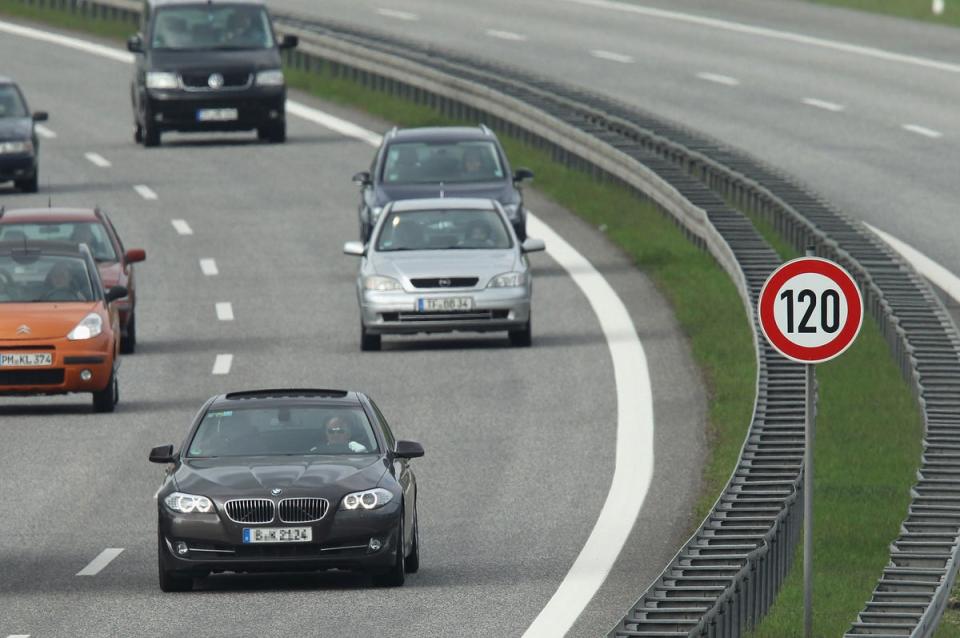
[(29, 278)]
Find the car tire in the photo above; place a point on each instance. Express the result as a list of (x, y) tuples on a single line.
[(151, 135), (396, 574), (412, 564), (273, 133), (369, 342), (137, 133), (29, 185), (106, 400), (521, 231), (521, 338), (128, 344), (170, 580), (365, 232)]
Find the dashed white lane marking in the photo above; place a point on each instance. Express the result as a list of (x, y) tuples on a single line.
[(145, 191), (209, 267), (788, 36), (923, 130), (612, 56), (181, 226), (937, 274), (823, 104), (224, 311), (102, 560), (222, 364), (506, 35), (19, 636), (97, 160), (719, 79), (399, 15), (44, 132)]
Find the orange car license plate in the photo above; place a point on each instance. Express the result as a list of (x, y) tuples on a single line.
[(25, 359)]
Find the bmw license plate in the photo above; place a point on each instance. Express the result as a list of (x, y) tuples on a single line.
[(277, 534), (445, 304), (217, 115), (25, 359)]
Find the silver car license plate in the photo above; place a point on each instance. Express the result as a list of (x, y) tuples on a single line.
[(217, 115), (25, 359), (277, 534), (445, 304)]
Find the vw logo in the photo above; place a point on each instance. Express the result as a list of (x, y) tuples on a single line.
[(444, 282), (215, 81), (276, 491), (23, 330)]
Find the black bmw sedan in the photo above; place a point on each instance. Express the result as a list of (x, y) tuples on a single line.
[(287, 480), (18, 139)]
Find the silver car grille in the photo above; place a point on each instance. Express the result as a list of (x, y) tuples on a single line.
[(250, 510), (302, 510)]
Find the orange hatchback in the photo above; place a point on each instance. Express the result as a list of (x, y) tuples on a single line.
[(59, 331)]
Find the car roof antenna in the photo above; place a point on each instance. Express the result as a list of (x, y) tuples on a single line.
[(49, 201)]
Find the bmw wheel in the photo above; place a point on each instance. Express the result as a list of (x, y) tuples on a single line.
[(412, 564), (170, 580), (396, 574)]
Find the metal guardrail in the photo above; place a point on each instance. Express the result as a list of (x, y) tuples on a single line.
[(727, 575)]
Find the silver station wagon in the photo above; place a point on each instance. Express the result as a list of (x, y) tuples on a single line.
[(443, 265)]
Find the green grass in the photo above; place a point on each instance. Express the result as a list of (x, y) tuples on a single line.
[(915, 9), (112, 29)]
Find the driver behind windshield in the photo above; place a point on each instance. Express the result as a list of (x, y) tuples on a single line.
[(61, 284)]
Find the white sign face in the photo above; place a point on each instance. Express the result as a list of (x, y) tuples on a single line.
[(810, 309)]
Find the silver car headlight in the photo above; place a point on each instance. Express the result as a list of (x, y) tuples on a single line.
[(513, 279), (162, 80), (17, 147), (270, 77), (188, 503), (367, 500), (88, 328), (381, 283)]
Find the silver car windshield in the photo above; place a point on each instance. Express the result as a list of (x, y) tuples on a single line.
[(211, 26), (93, 234), (284, 431), (448, 162), (11, 104), (34, 278), (443, 230)]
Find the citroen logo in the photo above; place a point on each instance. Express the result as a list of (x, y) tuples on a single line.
[(23, 330), (444, 282), (215, 81), (276, 491)]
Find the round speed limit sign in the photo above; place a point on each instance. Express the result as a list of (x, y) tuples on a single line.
[(810, 310)]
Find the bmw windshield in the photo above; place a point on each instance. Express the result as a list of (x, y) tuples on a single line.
[(208, 26)]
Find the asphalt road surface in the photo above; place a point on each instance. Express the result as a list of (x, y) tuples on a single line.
[(520, 442)]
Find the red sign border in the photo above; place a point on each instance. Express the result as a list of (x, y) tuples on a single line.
[(844, 339)]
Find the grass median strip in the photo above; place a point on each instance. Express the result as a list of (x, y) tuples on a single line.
[(914, 9)]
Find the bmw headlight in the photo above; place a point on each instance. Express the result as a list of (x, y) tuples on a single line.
[(271, 77), (17, 147), (381, 283), (367, 500), (188, 503), (88, 328), (512, 210), (508, 280), (162, 80)]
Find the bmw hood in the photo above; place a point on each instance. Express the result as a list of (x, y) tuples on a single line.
[(236, 60), (500, 191), (295, 475), (15, 129), (484, 264)]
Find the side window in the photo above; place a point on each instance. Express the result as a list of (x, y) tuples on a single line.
[(387, 434)]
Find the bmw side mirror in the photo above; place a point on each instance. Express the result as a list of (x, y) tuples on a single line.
[(162, 454), (135, 255), (408, 450), (522, 175), (40, 116), (362, 178), (531, 245), (135, 44), (354, 248), (117, 292), (289, 42)]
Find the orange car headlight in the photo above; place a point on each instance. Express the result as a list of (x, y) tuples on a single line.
[(88, 328)]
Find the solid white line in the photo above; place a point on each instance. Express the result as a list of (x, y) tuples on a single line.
[(181, 226), (97, 160), (44, 132), (633, 471), (209, 267), (145, 191), (506, 35), (101, 561), (67, 41), (221, 365), (789, 36), (823, 104), (399, 15), (937, 274), (224, 311), (612, 56), (719, 79), (923, 130)]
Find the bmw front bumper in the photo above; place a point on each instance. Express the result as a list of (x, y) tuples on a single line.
[(494, 309)]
